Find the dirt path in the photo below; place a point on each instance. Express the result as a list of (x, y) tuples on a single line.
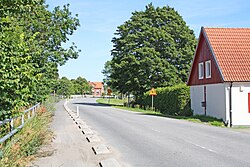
[(70, 145)]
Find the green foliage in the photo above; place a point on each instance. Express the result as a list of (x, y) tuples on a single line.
[(170, 100), (65, 87), (154, 48), (107, 71), (81, 86), (68, 87), (31, 50), (211, 120), (112, 101)]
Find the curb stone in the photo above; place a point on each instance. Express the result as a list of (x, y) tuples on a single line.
[(87, 131), (111, 162), (101, 149), (92, 139)]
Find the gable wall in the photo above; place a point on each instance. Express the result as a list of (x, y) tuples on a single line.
[(203, 54)]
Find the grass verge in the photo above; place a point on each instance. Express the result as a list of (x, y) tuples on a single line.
[(196, 118), (111, 101), (23, 146)]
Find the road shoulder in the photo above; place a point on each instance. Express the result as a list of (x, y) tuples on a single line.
[(70, 147)]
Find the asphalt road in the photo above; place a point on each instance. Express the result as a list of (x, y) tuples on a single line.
[(152, 141)]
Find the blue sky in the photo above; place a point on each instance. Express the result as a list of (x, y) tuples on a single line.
[(99, 20)]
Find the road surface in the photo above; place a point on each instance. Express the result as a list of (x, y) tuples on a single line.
[(152, 141)]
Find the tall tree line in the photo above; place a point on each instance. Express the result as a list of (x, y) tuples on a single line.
[(31, 38)]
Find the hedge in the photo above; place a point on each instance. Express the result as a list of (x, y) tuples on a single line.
[(170, 100)]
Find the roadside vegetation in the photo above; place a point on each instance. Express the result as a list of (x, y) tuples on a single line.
[(118, 103), (31, 50), (112, 101), (23, 146), (154, 49)]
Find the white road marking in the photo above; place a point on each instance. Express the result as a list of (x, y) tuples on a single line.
[(156, 130), (197, 145), (205, 148), (126, 120)]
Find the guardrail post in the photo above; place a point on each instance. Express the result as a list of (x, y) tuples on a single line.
[(11, 124), (28, 114), (33, 111), (22, 119)]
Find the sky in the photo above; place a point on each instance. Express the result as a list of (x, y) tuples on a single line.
[(99, 20)]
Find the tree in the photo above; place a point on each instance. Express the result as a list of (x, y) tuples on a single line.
[(31, 50), (154, 48), (107, 71), (81, 85), (68, 87), (16, 71), (65, 87)]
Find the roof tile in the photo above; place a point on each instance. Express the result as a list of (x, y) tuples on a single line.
[(231, 47), (97, 85)]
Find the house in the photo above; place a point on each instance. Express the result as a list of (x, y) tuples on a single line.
[(219, 79), (97, 88)]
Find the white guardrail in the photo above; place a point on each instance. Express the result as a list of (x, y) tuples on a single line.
[(16, 123)]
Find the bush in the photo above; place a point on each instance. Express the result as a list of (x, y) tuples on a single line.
[(170, 100)]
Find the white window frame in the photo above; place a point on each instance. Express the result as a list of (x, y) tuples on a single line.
[(201, 70), (208, 69)]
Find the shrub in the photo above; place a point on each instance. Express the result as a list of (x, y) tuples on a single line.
[(170, 100)]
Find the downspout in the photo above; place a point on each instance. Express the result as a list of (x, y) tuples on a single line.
[(230, 104), (205, 100)]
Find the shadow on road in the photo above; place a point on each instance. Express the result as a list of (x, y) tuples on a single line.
[(93, 104)]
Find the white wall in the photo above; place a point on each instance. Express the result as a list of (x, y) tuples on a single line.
[(196, 94), (240, 115), (216, 99)]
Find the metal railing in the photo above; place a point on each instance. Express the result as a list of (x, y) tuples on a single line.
[(16, 123)]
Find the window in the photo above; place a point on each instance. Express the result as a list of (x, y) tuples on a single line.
[(201, 70), (208, 69)]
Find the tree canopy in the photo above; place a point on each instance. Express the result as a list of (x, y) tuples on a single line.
[(154, 48), (31, 38), (78, 86), (81, 86)]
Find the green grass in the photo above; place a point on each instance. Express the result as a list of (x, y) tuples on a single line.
[(111, 101), (241, 127), (197, 118), (23, 146), (148, 112)]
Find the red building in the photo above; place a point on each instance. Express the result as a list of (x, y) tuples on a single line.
[(97, 88)]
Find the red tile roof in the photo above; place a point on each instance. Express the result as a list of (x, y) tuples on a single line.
[(97, 85), (231, 48)]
